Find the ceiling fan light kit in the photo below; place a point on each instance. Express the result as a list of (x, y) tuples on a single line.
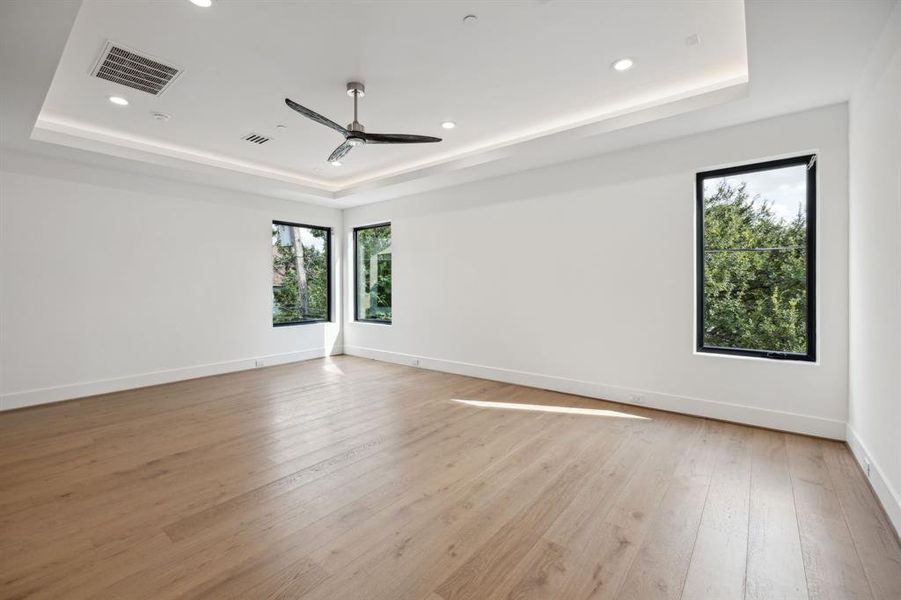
[(355, 133)]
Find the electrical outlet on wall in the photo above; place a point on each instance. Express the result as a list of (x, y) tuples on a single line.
[(866, 466), (257, 363), (636, 399), (415, 362)]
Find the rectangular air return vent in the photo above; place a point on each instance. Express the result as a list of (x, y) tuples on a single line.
[(255, 138), (129, 68)]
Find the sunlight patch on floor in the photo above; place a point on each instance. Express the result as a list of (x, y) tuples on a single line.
[(564, 410), (331, 367)]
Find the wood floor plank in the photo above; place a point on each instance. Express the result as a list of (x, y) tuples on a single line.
[(422, 471), (260, 515), (874, 538), (659, 570), (718, 561), (426, 544), (288, 524), (347, 478), (164, 499), (831, 561), (775, 563), (485, 569), (625, 527), (587, 551), (115, 453)]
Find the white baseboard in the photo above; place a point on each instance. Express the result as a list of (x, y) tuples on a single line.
[(761, 417), (888, 496), (46, 395)]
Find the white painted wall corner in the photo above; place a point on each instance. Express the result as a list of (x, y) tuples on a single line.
[(885, 493)]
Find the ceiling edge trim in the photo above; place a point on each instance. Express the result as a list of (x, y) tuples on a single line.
[(729, 92), (59, 130), (56, 129)]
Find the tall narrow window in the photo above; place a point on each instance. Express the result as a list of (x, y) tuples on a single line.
[(301, 273), (756, 259), (372, 273)]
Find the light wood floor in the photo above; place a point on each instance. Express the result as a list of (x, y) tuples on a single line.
[(348, 479)]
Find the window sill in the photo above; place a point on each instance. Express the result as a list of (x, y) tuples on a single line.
[(372, 322), (789, 361), (310, 322)]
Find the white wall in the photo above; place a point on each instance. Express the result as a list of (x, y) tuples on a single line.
[(580, 277), (875, 268), (115, 280)]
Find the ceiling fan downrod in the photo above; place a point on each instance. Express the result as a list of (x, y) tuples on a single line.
[(356, 90)]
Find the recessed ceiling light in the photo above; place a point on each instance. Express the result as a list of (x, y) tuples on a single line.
[(281, 126), (160, 116), (336, 163), (623, 64), (470, 19), (118, 100), (202, 3), (448, 124)]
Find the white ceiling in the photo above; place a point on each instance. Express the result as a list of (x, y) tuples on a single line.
[(522, 69), (521, 100)]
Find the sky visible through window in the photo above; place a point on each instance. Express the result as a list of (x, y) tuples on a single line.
[(309, 240), (785, 189)]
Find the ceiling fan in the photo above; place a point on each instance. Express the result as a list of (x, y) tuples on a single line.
[(355, 134)]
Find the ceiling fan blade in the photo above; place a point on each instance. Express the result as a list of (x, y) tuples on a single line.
[(315, 116), (398, 138), (340, 151)]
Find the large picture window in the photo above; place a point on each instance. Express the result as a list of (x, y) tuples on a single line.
[(372, 273), (756, 260), (301, 273)]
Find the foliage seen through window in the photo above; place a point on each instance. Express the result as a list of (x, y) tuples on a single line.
[(300, 273), (756, 295), (372, 250)]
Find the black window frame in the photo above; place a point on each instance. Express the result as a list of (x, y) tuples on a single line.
[(808, 160), (357, 279), (328, 274)]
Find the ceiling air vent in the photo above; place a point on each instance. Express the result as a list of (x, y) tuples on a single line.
[(129, 68), (255, 138)]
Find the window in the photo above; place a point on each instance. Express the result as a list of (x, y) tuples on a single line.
[(756, 259), (301, 274), (372, 273)]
